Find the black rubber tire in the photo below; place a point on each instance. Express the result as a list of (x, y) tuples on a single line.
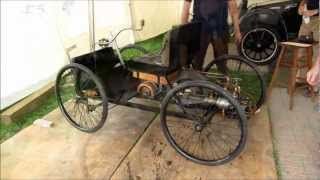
[(268, 59), (76, 70), (222, 92), (262, 82), (140, 49)]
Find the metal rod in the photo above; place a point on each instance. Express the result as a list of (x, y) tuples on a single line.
[(92, 38), (150, 108)]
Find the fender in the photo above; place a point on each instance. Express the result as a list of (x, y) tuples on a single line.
[(267, 17)]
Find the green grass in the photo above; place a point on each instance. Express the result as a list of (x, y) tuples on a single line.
[(248, 83), (276, 155), (152, 45), (277, 161), (7, 131)]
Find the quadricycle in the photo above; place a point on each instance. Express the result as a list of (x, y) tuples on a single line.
[(203, 113)]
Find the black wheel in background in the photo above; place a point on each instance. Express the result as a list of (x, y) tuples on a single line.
[(132, 51), (260, 45), (81, 97), (251, 82), (207, 135)]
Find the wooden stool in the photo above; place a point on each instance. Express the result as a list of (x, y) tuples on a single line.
[(295, 64)]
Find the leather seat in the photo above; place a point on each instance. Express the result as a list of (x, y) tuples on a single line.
[(157, 64), (179, 47)]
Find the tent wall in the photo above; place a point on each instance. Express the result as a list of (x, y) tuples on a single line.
[(159, 16), (112, 16), (109, 17), (36, 34), (31, 49)]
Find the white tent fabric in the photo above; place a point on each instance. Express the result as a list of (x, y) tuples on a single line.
[(160, 16), (31, 49), (36, 34)]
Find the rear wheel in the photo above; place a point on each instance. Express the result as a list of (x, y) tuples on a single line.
[(81, 97), (260, 45), (204, 132), (232, 72)]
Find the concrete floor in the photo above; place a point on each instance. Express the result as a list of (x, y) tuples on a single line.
[(129, 146), (62, 152), (153, 158), (296, 135)]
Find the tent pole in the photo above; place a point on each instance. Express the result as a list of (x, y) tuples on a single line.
[(91, 25), (132, 21)]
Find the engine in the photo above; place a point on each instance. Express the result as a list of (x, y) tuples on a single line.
[(148, 89)]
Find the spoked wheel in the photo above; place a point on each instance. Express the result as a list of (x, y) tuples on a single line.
[(81, 97), (132, 51), (203, 132), (260, 45), (241, 78)]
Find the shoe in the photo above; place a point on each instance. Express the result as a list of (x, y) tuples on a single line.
[(307, 92)]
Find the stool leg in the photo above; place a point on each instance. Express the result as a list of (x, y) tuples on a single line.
[(292, 81), (309, 57), (275, 72)]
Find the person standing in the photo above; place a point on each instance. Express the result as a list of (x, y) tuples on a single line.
[(309, 10), (213, 15), (313, 75)]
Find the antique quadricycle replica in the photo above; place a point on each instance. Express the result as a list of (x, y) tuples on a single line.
[(203, 113)]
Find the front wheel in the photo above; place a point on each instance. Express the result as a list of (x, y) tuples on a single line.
[(81, 97), (211, 128)]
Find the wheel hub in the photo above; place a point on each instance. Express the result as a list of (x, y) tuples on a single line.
[(199, 127), (259, 45)]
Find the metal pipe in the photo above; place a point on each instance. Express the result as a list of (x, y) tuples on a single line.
[(150, 108), (91, 13), (132, 18)]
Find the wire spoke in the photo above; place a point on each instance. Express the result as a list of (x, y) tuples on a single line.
[(83, 112)]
